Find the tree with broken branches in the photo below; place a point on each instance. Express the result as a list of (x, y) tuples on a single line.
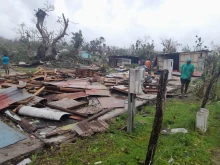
[(169, 46), (77, 41), (145, 48), (47, 48), (186, 48), (199, 44)]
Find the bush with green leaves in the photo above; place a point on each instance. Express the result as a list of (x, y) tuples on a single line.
[(210, 73)]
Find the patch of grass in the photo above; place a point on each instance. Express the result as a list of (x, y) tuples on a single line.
[(26, 70), (116, 147)]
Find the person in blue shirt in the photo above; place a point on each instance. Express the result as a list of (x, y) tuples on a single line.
[(5, 61)]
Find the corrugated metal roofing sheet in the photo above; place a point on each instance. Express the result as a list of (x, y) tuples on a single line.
[(89, 110), (9, 136), (71, 95), (36, 100), (121, 88), (46, 113), (66, 103), (85, 128), (111, 102), (97, 92), (70, 82), (55, 97), (12, 95)]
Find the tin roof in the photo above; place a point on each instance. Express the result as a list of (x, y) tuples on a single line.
[(96, 92), (12, 95), (111, 102), (45, 113), (66, 103), (86, 128)]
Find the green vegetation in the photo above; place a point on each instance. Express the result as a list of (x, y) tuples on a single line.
[(116, 147), (26, 70)]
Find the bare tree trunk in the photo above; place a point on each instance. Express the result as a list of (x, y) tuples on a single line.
[(47, 48), (208, 89), (158, 118)]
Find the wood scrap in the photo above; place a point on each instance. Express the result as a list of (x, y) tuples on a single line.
[(35, 94)]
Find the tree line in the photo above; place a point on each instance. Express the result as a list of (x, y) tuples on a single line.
[(38, 43)]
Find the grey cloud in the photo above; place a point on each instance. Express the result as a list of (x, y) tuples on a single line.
[(120, 26)]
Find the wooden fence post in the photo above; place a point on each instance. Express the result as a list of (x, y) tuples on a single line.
[(158, 118)]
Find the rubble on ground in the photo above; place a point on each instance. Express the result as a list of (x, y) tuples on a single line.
[(52, 106)]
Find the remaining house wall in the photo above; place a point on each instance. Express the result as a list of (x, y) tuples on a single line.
[(197, 59), (160, 61), (116, 62)]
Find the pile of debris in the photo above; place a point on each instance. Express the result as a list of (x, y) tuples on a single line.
[(54, 106)]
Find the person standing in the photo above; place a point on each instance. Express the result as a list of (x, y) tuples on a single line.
[(187, 70), (148, 64), (5, 61)]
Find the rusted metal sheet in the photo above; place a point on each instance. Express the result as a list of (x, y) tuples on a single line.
[(96, 92), (76, 117), (36, 100), (69, 82), (86, 128), (89, 110), (111, 102), (121, 88), (46, 113), (55, 97), (95, 86), (66, 103), (83, 129), (85, 72), (71, 95), (110, 80), (98, 125), (12, 95), (78, 83), (109, 84)]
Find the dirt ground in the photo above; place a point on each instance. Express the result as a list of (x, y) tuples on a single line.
[(216, 157)]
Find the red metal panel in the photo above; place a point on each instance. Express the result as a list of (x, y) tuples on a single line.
[(12, 95)]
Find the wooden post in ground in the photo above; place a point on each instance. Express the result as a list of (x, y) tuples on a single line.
[(158, 118)]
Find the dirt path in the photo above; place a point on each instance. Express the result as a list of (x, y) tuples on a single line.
[(11, 72), (216, 157)]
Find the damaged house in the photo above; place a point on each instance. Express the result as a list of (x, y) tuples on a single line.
[(116, 61), (174, 61)]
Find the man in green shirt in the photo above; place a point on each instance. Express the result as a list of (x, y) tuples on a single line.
[(187, 70)]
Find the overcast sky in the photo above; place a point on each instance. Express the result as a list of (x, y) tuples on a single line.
[(122, 22)]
